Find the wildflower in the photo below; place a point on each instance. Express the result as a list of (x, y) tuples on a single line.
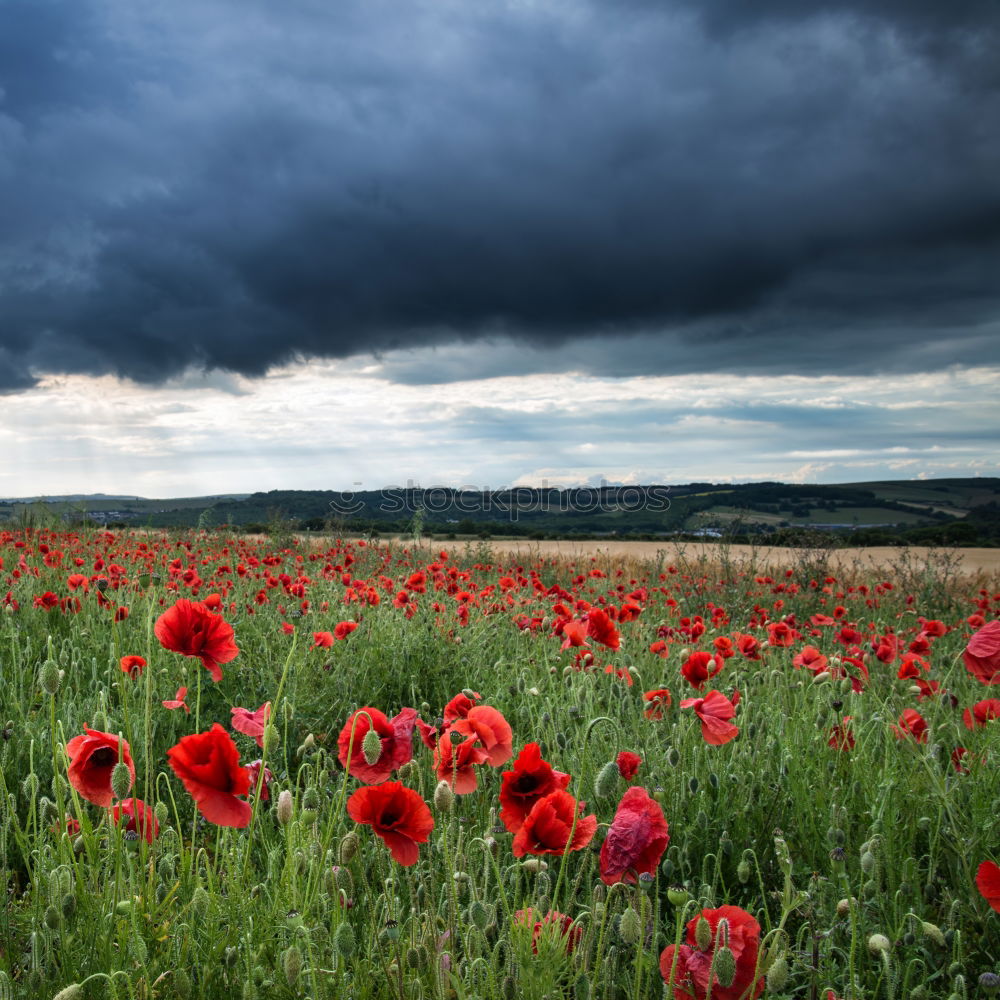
[(554, 826), (395, 736), (982, 654), (492, 730), (656, 702), (322, 640), (988, 883), (208, 765), (397, 814), (981, 713), (531, 779), (714, 711), (457, 766), (251, 723), (690, 974), (343, 629), (699, 667), (138, 815), (628, 764), (133, 666), (177, 701), (190, 629), (93, 757), (841, 736), (911, 723), (562, 924), (636, 840)]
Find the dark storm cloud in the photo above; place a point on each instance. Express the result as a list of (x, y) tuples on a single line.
[(231, 186)]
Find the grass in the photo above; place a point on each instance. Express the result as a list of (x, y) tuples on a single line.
[(825, 848)]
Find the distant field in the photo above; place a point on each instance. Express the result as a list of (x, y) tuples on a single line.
[(861, 516), (970, 560)]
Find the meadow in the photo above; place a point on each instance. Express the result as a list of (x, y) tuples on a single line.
[(250, 767)]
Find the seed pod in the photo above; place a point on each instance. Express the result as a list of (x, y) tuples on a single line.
[(743, 871), (349, 846), (879, 943), (703, 934)]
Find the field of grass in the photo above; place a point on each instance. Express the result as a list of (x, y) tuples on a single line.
[(836, 813)]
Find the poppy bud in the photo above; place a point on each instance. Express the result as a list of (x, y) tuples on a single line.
[(413, 959), (822, 677), (69, 993), (879, 943), (50, 676), (868, 862), (630, 926), (30, 786), (777, 975), (933, 932), (581, 988), (534, 865), (703, 934), (291, 962), (200, 902), (606, 780), (160, 812), (348, 846), (344, 941), (479, 915), (310, 798), (444, 797), (407, 772), (844, 907), (69, 904), (724, 965), (53, 918), (743, 871), (284, 807), (121, 780), (371, 747), (182, 984)]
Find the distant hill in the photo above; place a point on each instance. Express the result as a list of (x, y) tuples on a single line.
[(948, 511)]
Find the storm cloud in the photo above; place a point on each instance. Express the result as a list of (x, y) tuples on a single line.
[(640, 187)]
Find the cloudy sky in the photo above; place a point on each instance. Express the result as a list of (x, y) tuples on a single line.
[(248, 245)]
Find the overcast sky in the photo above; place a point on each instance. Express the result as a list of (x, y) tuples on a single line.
[(248, 245)]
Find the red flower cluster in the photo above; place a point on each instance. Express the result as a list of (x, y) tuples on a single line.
[(690, 968)]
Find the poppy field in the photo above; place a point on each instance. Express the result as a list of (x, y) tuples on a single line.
[(241, 768)]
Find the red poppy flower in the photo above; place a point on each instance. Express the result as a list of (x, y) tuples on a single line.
[(691, 974), (911, 723), (982, 654), (132, 665), (810, 658), (981, 713), (92, 759), (699, 667), (549, 827), (601, 628), (574, 634), (253, 774), (564, 924), (656, 702), (988, 883), (343, 629), (138, 814), (457, 766), (492, 730), (628, 764), (748, 646), (208, 765), (781, 634), (841, 736), (397, 814), (177, 701), (251, 723), (532, 779), (191, 629), (459, 706), (322, 640), (636, 839), (395, 735), (715, 710)]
